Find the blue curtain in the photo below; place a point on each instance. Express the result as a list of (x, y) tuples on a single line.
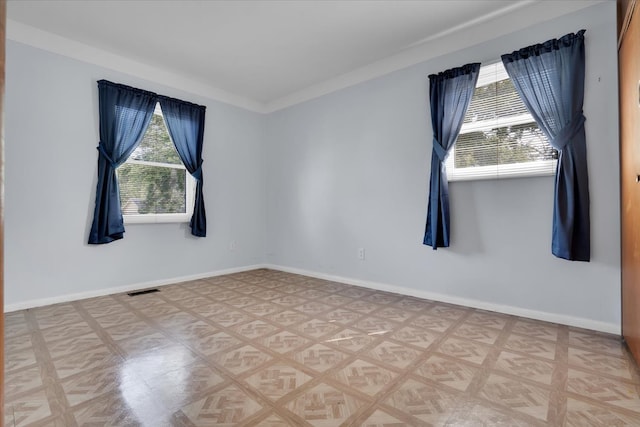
[(550, 80), (185, 122), (450, 94), (125, 113)]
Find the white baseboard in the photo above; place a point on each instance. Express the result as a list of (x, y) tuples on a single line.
[(563, 319), (128, 288), (579, 322)]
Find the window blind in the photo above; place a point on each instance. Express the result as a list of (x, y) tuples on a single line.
[(154, 180), (499, 138)]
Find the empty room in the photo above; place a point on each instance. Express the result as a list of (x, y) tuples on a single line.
[(320, 213)]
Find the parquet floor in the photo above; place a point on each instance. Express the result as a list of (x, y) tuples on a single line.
[(267, 348)]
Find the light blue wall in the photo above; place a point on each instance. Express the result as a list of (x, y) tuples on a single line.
[(51, 136), (307, 186), (351, 170)]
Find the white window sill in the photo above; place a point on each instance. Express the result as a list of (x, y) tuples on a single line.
[(156, 218), (521, 170)]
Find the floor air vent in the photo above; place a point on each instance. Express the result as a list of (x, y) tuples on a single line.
[(146, 291)]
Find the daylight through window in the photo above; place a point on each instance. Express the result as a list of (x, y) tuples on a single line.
[(499, 138), (154, 184)]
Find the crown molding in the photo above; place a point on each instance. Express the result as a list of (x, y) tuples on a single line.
[(40, 39), (488, 27)]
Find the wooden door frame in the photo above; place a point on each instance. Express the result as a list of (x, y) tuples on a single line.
[(3, 25), (625, 11), (629, 156)]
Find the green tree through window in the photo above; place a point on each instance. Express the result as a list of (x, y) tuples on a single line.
[(499, 137), (153, 180)]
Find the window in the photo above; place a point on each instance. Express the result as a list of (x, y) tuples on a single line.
[(154, 184), (499, 138)]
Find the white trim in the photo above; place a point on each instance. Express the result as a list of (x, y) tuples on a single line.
[(484, 28), (487, 27), (158, 164), (51, 42), (503, 171), (190, 188), (578, 322), (498, 122), (177, 218), (490, 74), (563, 319), (126, 288)]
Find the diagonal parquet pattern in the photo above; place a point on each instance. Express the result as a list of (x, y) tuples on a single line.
[(268, 348)]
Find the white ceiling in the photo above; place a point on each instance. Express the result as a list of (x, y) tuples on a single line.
[(260, 51)]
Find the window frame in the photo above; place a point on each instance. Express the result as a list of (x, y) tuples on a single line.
[(190, 190), (493, 73)]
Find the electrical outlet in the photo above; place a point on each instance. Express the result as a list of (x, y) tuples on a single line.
[(361, 254)]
